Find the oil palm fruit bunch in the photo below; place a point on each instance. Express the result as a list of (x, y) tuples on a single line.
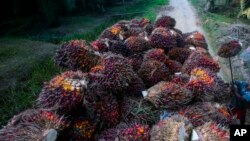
[(197, 59), (141, 22), (136, 86), (33, 124), (76, 55), (173, 128), (168, 95), (135, 61), (155, 54), (113, 32), (211, 131), (110, 134), (64, 92), (180, 78), (100, 45), (134, 30), (173, 66), (179, 37), (135, 132), (179, 54), (79, 130), (162, 38), (118, 47), (196, 39), (229, 49), (200, 113), (152, 72), (116, 73), (137, 44), (139, 110), (165, 21)]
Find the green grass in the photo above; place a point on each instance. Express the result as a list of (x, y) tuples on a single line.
[(25, 63)]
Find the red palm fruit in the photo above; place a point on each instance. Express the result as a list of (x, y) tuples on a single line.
[(229, 49), (33, 125), (173, 128), (201, 113), (137, 44), (81, 129), (179, 54), (165, 21), (180, 78), (64, 92), (211, 131), (196, 39), (168, 95), (116, 75), (76, 55), (197, 59), (135, 61), (100, 45), (139, 110), (136, 132), (112, 32), (173, 66), (153, 72), (118, 47), (162, 38), (155, 54)]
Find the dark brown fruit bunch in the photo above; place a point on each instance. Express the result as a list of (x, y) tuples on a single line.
[(76, 55), (229, 49), (118, 47), (114, 32), (136, 132), (32, 125), (153, 72), (155, 54), (64, 92), (168, 95), (136, 86), (162, 38), (109, 134), (100, 45), (165, 21), (173, 66), (201, 113), (137, 44), (197, 59), (180, 78), (135, 61), (179, 37), (196, 39), (179, 54)]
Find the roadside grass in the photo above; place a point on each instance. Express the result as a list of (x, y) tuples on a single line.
[(26, 60)]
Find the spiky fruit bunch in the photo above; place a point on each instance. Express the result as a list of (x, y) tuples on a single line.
[(196, 39), (81, 129), (173, 128), (173, 66), (180, 78), (137, 44), (229, 49), (211, 131), (134, 30), (179, 37), (100, 45), (136, 86), (141, 22), (153, 72), (162, 38), (109, 135), (201, 113), (155, 54), (64, 92), (33, 125), (165, 21), (197, 59), (139, 110), (76, 55), (179, 54), (118, 47), (116, 73), (168, 95), (136, 132), (113, 32), (135, 61)]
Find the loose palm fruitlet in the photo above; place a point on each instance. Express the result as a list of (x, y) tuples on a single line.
[(229, 49), (155, 54), (64, 92), (153, 72), (179, 54), (165, 21), (197, 59), (33, 125), (196, 39), (76, 55), (173, 128), (168, 95), (137, 44), (211, 131), (162, 38), (200, 113)]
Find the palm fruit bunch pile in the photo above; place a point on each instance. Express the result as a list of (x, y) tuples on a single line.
[(211, 131), (116, 87), (172, 128), (229, 49)]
